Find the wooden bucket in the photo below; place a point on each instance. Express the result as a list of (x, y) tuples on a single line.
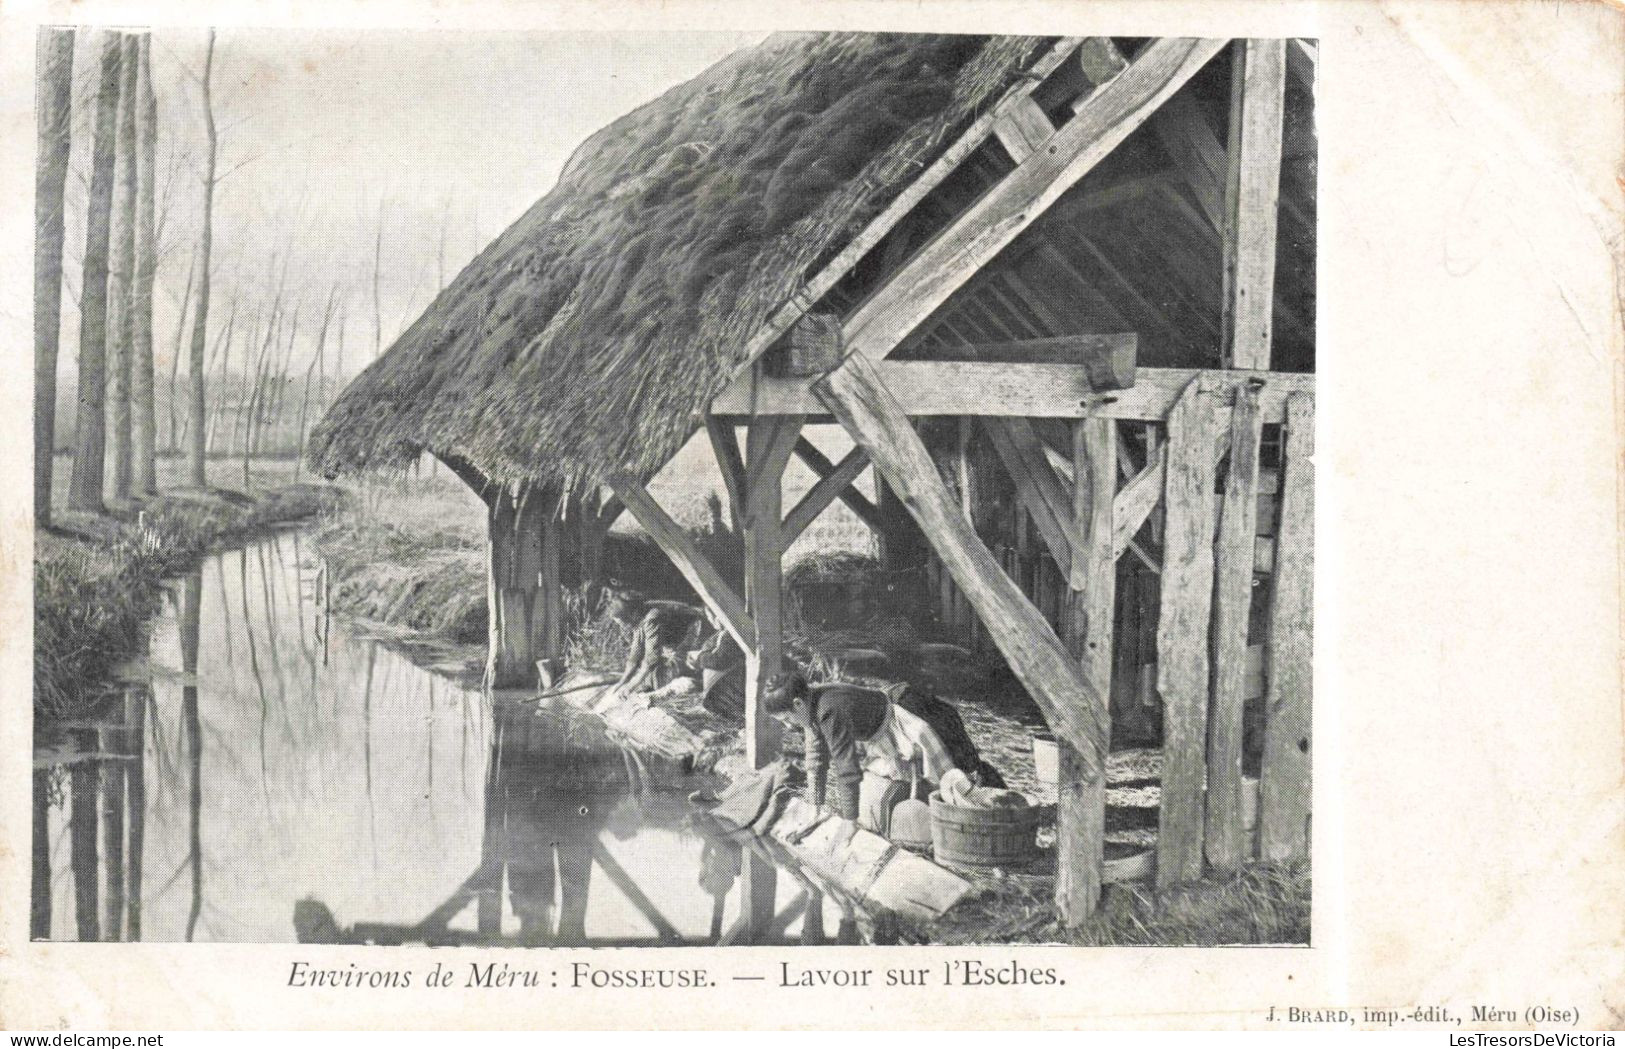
[(983, 837)]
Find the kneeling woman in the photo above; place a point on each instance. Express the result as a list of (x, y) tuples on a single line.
[(862, 743)]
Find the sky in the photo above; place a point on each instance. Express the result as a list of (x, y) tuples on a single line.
[(447, 136)]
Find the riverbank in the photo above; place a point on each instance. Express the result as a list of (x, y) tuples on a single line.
[(96, 577)]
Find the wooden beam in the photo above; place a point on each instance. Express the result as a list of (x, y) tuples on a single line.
[(1093, 602), (634, 894), (1040, 391), (1284, 801), (1252, 196), (678, 545), (820, 495), (1108, 360), (855, 500), (1136, 501), (1226, 845), (725, 446), (470, 475), (1182, 633), (968, 142), (939, 268), (1039, 490), (857, 396)]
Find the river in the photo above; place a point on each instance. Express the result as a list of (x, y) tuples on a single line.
[(270, 774)]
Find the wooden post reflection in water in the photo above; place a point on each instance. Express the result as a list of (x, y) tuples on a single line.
[(39, 912), (191, 607), (136, 702), (111, 747), (82, 833)]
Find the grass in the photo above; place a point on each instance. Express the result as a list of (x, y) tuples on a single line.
[(1259, 904), (96, 577)]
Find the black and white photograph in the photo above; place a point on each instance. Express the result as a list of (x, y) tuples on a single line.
[(617, 489)]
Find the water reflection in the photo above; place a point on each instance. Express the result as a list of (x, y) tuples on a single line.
[(273, 776)]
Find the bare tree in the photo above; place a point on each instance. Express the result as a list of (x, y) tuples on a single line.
[(197, 474), (144, 424), (120, 295), (85, 486), (316, 367), (55, 106), (175, 357)]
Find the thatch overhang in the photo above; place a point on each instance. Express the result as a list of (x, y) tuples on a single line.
[(590, 336)]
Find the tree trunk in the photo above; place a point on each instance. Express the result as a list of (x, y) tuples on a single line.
[(195, 472), (144, 425), (120, 290), (175, 359), (85, 486), (55, 51)]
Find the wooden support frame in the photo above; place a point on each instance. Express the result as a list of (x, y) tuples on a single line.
[(858, 398), (1103, 121), (1252, 198), (855, 500), (694, 565), (820, 495), (1033, 391), (940, 267), (1038, 488), (969, 141)]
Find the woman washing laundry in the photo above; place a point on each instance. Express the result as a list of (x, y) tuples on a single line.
[(865, 745), (661, 632)]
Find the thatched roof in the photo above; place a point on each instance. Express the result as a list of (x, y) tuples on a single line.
[(590, 336)]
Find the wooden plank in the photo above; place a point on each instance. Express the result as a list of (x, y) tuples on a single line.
[(678, 545), (1226, 844), (1035, 391), (725, 446), (857, 397), (1252, 193), (1107, 360), (1182, 632), (1285, 791), (855, 500), (1022, 128), (969, 141), (1036, 485), (820, 495), (1106, 118), (1081, 799)]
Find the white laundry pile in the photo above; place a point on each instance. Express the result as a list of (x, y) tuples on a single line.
[(957, 789)]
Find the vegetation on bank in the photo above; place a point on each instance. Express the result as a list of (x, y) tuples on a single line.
[(96, 579)]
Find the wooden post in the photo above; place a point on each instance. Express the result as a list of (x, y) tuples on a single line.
[(548, 612), (1238, 520), (859, 400), (499, 557), (768, 443), (1081, 813), (1285, 788), (1182, 633), (1252, 193)]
